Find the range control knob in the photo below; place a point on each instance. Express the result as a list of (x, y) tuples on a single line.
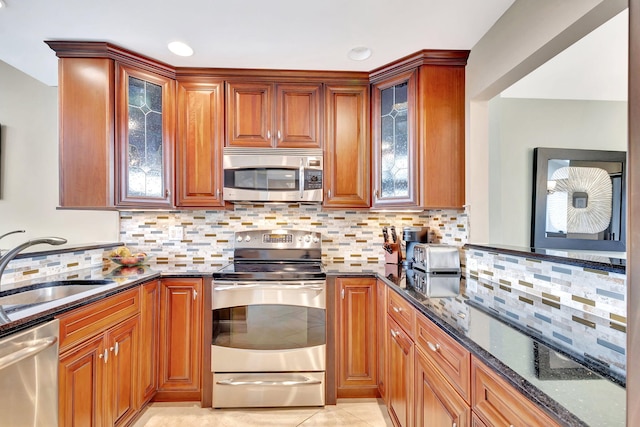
[(247, 239), (307, 238), (316, 239), (239, 238)]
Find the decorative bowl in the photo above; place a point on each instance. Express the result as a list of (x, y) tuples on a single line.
[(131, 260)]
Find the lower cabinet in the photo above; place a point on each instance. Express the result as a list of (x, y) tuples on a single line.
[(357, 350), (181, 339), (437, 403), (98, 370), (495, 402), (399, 389)]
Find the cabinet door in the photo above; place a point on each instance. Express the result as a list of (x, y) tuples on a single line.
[(81, 385), (180, 339), (441, 138), (347, 174), (437, 403), (145, 129), (357, 340), (395, 157), (401, 375), (149, 336), (86, 99), (381, 321), (249, 114), (122, 367), (199, 144), (298, 116)]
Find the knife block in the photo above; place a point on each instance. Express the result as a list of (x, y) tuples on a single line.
[(395, 257)]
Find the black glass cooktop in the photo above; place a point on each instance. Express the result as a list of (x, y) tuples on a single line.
[(271, 271)]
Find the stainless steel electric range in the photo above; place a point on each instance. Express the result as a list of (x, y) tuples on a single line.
[(269, 322)]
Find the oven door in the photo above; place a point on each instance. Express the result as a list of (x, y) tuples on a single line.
[(268, 326)]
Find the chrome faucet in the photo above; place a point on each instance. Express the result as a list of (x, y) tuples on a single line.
[(4, 259), (11, 232)]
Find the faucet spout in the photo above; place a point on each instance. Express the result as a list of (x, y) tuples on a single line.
[(11, 232), (6, 258)]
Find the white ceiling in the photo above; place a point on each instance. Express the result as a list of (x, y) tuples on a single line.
[(593, 68), (281, 34)]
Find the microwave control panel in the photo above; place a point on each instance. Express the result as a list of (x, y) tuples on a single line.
[(312, 179)]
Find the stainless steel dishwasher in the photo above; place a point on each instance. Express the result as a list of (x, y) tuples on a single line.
[(29, 377)]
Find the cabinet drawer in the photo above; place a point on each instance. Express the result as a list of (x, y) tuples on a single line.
[(497, 403), (450, 357), (401, 311), (97, 317)]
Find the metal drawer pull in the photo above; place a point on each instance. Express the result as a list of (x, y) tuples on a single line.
[(305, 381), (432, 347), (195, 294), (394, 333), (116, 349), (342, 293), (105, 355), (397, 309), (279, 135), (268, 134), (34, 347), (269, 287)]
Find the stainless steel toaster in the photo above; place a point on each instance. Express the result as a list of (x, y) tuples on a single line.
[(436, 258)]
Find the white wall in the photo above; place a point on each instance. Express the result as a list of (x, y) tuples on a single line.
[(29, 168), (525, 37), (520, 125)]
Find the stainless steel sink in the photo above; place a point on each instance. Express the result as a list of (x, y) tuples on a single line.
[(48, 291)]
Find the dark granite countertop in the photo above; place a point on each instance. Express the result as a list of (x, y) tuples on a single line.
[(590, 260), (574, 392)]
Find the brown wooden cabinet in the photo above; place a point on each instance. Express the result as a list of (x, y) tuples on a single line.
[(199, 143), (400, 385), (437, 403), (149, 338), (347, 156), (357, 351), (381, 322), (98, 365), (265, 114), (418, 131), (181, 339), (495, 402), (86, 132), (145, 132)]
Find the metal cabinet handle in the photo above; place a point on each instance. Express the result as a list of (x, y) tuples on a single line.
[(376, 194), (167, 193), (432, 347), (268, 134), (218, 193), (195, 294), (304, 381), (328, 194), (279, 135), (116, 348), (394, 333), (104, 355), (301, 178), (397, 309), (342, 293)]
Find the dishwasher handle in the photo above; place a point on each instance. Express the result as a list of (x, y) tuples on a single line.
[(34, 347)]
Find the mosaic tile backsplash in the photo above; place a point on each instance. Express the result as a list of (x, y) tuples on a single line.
[(347, 236), (577, 308)]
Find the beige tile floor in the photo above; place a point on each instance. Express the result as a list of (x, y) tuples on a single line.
[(348, 412)]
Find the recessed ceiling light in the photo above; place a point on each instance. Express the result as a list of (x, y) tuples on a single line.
[(2, 4), (179, 48), (360, 53)]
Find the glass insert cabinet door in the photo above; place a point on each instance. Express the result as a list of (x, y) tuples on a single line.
[(145, 121), (394, 144)]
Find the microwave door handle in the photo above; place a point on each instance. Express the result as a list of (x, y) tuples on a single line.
[(301, 178)]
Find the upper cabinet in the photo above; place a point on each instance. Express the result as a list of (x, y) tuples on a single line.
[(117, 126), (347, 155), (395, 161), (145, 120), (264, 114), (199, 143), (418, 131)]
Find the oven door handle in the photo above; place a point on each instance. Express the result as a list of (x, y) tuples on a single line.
[(305, 381), (268, 287)]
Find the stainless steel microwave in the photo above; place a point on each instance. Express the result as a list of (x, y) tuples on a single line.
[(272, 175)]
